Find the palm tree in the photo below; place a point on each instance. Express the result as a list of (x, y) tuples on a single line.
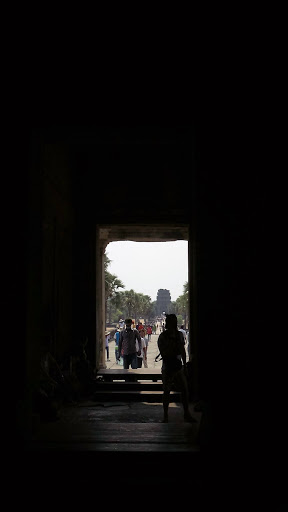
[(182, 303), (112, 285)]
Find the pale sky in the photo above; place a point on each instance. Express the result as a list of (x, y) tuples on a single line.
[(145, 267)]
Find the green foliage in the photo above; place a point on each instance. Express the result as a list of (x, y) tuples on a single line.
[(129, 303)]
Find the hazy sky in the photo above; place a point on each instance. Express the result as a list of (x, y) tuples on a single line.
[(145, 267)]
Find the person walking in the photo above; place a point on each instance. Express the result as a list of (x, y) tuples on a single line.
[(127, 345), (172, 349), (184, 333), (121, 324), (117, 337), (145, 361), (107, 337), (141, 329), (149, 332), (143, 356)]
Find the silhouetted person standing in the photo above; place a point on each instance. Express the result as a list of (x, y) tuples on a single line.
[(172, 349)]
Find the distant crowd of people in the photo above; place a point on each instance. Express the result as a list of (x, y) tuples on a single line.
[(128, 332)]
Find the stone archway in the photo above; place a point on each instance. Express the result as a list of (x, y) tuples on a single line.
[(137, 233)]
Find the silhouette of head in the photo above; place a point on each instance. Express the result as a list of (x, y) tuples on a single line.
[(128, 322), (171, 321)]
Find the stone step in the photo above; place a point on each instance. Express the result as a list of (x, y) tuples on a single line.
[(134, 395), (128, 385), (152, 374)]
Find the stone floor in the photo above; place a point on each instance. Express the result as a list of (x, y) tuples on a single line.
[(84, 419)]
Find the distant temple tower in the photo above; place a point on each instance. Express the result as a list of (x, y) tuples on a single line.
[(163, 301)]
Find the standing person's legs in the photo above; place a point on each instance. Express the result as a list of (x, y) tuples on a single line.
[(139, 362), (166, 394), (126, 362), (134, 361), (181, 381)]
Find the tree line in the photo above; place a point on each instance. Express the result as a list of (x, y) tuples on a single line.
[(130, 304)]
